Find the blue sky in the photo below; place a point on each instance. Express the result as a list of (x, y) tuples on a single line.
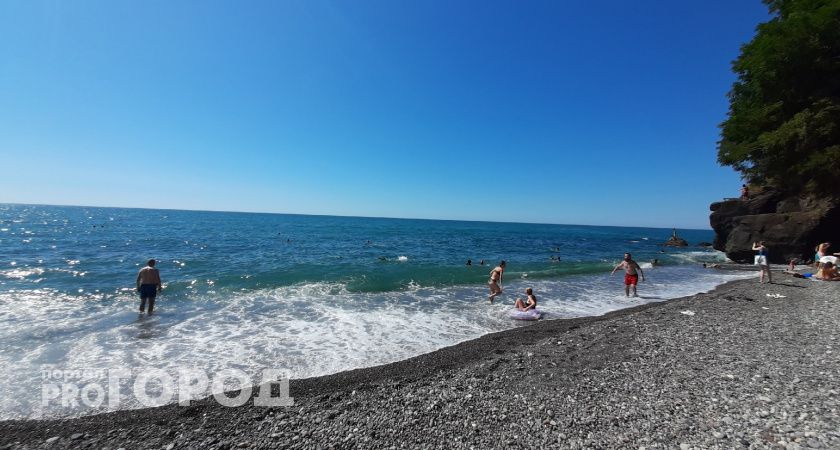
[(601, 113)]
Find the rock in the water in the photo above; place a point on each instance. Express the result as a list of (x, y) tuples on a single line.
[(675, 241), (790, 226)]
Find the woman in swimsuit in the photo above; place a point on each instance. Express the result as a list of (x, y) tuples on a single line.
[(496, 280), (822, 250), (529, 303), (761, 260)]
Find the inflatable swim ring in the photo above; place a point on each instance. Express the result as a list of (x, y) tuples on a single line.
[(531, 314)]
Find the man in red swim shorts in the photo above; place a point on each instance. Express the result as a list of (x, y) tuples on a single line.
[(631, 277)]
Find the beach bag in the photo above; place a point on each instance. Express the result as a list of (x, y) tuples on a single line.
[(760, 260)]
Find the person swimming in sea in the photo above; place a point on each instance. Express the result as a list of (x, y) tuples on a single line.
[(530, 302), (496, 279)]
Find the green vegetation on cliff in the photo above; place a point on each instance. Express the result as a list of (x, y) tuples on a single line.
[(783, 127)]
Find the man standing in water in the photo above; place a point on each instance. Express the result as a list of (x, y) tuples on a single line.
[(631, 278), (496, 280), (148, 285)]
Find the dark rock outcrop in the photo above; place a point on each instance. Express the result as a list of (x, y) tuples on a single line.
[(675, 241), (790, 226)]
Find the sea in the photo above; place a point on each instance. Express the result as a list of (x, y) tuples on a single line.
[(307, 295)]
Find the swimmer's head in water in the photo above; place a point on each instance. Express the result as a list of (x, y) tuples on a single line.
[(151, 263)]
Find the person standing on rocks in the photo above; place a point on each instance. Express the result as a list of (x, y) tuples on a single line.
[(761, 260), (148, 285), (632, 270), (496, 279)]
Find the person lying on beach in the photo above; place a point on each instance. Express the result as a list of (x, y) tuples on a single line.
[(632, 270), (828, 272), (496, 279), (529, 303)]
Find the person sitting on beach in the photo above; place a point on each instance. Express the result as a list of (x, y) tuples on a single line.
[(762, 262), (822, 252), (496, 277), (529, 303), (632, 270), (828, 272), (148, 285)]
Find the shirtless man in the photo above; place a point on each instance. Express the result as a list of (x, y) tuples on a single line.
[(631, 278), (148, 285), (496, 280)]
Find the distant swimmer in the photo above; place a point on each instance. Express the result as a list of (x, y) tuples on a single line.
[(469, 262), (530, 302), (631, 277), (496, 280), (481, 263), (148, 285), (655, 263)]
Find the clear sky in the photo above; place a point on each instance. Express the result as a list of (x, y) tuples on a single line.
[(576, 112)]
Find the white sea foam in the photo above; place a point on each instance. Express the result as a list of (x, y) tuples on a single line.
[(23, 272), (307, 329)]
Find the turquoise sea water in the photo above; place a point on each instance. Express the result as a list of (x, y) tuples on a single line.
[(309, 294)]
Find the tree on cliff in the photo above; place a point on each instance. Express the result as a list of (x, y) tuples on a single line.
[(783, 127)]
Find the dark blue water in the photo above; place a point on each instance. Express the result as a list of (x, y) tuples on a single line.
[(100, 249), (308, 294)]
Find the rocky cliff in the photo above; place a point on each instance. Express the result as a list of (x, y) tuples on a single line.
[(790, 226)]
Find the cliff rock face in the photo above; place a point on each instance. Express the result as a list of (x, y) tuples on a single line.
[(790, 226)]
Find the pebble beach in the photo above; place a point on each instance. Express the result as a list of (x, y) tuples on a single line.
[(747, 365)]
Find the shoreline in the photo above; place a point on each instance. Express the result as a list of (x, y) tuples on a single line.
[(452, 376)]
